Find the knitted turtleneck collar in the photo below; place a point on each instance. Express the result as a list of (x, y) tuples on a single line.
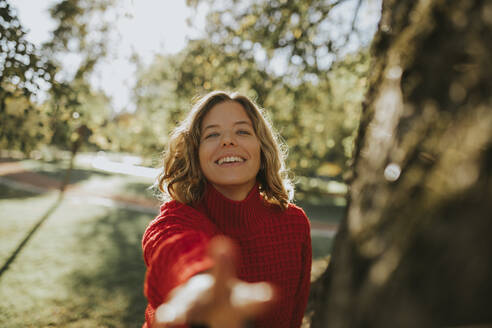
[(230, 215)]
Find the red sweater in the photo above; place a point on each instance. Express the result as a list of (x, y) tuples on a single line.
[(275, 246)]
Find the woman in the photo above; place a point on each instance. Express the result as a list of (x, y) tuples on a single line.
[(228, 226)]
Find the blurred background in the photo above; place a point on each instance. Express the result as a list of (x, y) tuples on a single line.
[(89, 92)]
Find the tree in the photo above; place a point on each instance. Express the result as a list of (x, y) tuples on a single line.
[(23, 72), (308, 35), (241, 52), (414, 249), (80, 29), (291, 47), (26, 70)]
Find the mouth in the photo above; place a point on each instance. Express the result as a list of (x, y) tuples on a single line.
[(230, 160)]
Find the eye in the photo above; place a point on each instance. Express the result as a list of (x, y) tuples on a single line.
[(244, 132), (211, 135)]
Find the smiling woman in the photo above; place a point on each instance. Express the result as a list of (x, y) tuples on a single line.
[(229, 150), (228, 246)]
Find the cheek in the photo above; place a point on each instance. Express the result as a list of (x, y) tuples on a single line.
[(205, 154)]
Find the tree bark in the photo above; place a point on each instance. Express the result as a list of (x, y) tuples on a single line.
[(415, 248)]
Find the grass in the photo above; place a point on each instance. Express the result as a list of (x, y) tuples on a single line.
[(18, 217), (83, 267)]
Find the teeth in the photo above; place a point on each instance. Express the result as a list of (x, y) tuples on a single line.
[(230, 159)]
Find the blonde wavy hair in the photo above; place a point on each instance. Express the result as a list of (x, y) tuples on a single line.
[(182, 179)]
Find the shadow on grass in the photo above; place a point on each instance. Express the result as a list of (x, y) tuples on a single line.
[(12, 193), (118, 275), (77, 175), (8, 160), (28, 236)]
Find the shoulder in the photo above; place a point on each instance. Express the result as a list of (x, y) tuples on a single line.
[(296, 217), (174, 211), (174, 206), (296, 213), (175, 216), (300, 221), (175, 222)]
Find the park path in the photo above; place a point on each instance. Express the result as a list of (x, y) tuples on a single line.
[(17, 176), (14, 174)]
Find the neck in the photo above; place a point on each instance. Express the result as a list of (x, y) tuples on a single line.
[(234, 192), (234, 215)]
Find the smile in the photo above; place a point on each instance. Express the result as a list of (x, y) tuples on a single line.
[(229, 160)]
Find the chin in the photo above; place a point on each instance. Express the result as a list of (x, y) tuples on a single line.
[(230, 183), (234, 182)]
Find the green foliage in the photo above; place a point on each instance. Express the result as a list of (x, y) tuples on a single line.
[(24, 125), (309, 35), (278, 53), (317, 119), (74, 113), (79, 114), (23, 71), (21, 65), (81, 28), (283, 54)]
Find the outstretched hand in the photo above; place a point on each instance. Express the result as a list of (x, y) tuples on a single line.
[(215, 298)]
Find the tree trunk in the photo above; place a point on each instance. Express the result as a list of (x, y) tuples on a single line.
[(415, 249)]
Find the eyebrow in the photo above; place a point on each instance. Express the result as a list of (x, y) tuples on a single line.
[(216, 125)]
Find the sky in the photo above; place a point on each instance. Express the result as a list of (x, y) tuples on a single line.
[(147, 28)]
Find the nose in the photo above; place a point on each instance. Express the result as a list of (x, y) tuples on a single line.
[(228, 140)]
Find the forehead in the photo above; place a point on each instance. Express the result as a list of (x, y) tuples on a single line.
[(225, 113)]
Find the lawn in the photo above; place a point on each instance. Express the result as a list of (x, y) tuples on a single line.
[(83, 267)]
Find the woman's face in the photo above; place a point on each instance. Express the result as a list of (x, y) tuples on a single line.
[(229, 150)]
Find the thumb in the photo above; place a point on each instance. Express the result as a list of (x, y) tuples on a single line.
[(224, 253)]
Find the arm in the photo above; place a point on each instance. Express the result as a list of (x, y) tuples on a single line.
[(305, 281), (175, 248), (176, 254), (179, 257)]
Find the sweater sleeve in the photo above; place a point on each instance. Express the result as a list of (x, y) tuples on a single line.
[(302, 293), (175, 248)]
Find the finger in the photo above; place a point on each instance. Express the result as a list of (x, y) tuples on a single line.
[(185, 300), (252, 299), (223, 252), (167, 315)]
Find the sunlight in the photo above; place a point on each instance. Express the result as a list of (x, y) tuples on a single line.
[(141, 28), (128, 167)]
